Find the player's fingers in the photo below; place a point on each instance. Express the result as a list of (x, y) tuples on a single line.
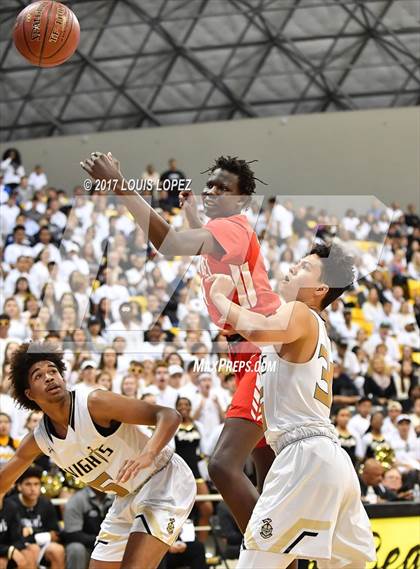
[(86, 167), (122, 470), (128, 473), (90, 163)]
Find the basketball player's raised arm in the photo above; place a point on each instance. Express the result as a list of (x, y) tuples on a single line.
[(164, 237), (106, 407), (26, 453), (288, 324)]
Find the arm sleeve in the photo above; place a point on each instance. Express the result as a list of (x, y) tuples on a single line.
[(13, 534), (233, 237), (4, 164)]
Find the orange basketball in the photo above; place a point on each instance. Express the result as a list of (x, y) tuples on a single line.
[(46, 33)]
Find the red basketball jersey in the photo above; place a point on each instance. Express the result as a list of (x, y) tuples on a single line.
[(243, 261)]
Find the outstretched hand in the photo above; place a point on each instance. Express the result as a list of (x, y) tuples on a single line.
[(103, 167), (132, 466)]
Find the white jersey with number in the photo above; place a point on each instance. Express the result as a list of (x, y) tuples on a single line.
[(95, 454), (297, 394), (310, 507)]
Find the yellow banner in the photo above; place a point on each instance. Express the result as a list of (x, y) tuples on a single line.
[(397, 542)]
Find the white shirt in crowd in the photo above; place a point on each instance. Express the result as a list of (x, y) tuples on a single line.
[(358, 425), (8, 215), (406, 452), (37, 181), (16, 250), (133, 335), (52, 249), (373, 312), (391, 344), (11, 175)]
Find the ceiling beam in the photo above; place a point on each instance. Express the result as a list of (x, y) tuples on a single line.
[(186, 53)]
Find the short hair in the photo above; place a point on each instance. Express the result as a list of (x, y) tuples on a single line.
[(363, 400), (337, 267), (235, 165), (31, 472), (18, 228), (160, 363), (23, 359)]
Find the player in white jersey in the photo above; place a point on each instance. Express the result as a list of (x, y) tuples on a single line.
[(310, 507), (96, 437)]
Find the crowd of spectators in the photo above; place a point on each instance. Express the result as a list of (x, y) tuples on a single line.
[(76, 270)]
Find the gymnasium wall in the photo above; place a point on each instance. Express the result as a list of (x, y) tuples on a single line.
[(368, 152)]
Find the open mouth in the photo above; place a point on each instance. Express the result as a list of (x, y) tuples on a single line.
[(53, 388), (287, 278)]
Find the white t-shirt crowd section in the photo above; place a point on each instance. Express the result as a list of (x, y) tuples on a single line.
[(79, 272)]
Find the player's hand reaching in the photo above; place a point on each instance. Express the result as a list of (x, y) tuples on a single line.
[(187, 200), (132, 467), (222, 285), (103, 167), (188, 203)]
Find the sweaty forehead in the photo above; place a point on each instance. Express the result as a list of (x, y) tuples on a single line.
[(315, 263), (224, 176)]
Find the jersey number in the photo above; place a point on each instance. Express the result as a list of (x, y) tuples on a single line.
[(242, 278), (99, 484), (323, 391)]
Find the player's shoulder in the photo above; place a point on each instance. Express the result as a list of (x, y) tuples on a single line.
[(298, 308), (99, 396)]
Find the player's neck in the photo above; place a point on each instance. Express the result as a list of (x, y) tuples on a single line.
[(59, 412)]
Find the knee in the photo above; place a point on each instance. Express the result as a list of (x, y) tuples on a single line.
[(219, 468), (76, 555), (55, 552)]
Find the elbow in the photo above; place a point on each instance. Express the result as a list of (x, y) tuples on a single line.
[(177, 419), (170, 417), (170, 244)]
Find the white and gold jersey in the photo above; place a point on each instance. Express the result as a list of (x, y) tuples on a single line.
[(297, 394), (94, 454)]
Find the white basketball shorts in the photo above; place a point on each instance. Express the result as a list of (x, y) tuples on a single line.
[(311, 508), (160, 508)]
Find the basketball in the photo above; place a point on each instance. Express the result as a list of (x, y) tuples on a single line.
[(46, 33)]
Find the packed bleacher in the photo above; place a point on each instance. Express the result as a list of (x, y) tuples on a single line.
[(76, 271)]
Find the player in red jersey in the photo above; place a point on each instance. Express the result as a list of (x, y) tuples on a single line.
[(228, 245)]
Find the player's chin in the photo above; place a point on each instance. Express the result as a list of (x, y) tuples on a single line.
[(211, 212), (287, 291)]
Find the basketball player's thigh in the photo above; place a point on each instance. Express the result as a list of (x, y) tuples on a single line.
[(143, 550), (237, 440)]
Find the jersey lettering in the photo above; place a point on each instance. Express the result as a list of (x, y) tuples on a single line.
[(323, 390)]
